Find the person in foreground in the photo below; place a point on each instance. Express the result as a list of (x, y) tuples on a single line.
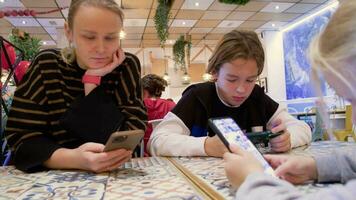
[(93, 65), (235, 64), (153, 86), (333, 56)]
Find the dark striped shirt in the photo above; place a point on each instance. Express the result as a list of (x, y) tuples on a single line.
[(46, 92)]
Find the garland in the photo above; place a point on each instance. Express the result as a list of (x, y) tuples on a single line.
[(27, 12), (179, 52), (161, 20), (239, 2)]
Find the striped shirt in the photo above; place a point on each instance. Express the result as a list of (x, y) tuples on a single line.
[(46, 92)]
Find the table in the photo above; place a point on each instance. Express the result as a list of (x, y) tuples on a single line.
[(141, 178)]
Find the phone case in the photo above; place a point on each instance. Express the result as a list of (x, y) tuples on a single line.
[(124, 140)]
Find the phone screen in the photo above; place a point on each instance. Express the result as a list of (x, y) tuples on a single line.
[(232, 133)]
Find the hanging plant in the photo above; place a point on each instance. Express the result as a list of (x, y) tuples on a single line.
[(161, 20), (179, 52), (239, 2), (29, 45)]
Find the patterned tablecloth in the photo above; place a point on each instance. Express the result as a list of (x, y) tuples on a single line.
[(142, 178)]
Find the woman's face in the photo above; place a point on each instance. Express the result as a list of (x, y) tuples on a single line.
[(95, 36), (236, 80)]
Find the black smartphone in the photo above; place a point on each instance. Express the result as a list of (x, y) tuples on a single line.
[(124, 140), (230, 133)]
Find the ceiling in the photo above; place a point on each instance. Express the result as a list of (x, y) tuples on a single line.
[(205, 20)]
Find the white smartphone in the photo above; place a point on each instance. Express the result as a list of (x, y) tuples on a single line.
[(124, 140), (230, 133)]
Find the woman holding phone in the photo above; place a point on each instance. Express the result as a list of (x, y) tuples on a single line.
[(56, 79)]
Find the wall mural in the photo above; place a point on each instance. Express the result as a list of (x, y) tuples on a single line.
[(295, 43)]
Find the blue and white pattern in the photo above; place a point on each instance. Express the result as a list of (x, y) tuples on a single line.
[(295, 43)]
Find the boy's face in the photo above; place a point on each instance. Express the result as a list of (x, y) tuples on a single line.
[(236, 80)]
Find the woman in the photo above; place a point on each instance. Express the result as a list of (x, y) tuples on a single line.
[(333, 56), (94, 64), (235, 65)]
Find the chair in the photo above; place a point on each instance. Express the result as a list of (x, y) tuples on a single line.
[(349, 131), (154, 123)]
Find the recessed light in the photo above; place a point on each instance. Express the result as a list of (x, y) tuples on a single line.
[(2, 1), (122, 35), (44, 42), (277, 7), (196, 4), (23, 22), (273, 25), (183, 23)]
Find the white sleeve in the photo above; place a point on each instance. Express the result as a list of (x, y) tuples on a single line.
[(300, 132), (172, 137)]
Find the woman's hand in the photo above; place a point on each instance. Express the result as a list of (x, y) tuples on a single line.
[(89, 156), (118, 58), (282, 142), (213, 146), (295, 169), (239, 164)]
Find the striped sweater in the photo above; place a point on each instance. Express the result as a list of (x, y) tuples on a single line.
[(46, 92)]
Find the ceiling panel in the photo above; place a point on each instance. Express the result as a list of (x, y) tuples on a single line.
[(214, 14), (189, 14), (252, 6), (39, 3), (136, 13), (196, 4), (251, 24), (200, 30), (222, 6), (238, 15), (207, 23), (301, 8), (276, 7), (136, 4)]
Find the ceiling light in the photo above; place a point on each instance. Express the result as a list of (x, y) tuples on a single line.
[(122, 35), (23, 22), (185, 78), (273, 25), (196, 4), (183, 23), (44, 42), (167, 78), (207, 77), (2, 1), (277, 7)]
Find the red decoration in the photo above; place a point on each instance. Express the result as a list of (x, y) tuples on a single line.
[(27, 12), (21, 69), (12, 56)]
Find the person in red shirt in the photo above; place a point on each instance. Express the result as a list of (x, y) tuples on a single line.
[(153, 86)]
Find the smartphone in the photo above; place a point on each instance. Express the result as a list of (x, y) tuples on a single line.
[(230, 133), (124, 140)]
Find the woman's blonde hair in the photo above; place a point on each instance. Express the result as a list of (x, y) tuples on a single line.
[(68, 53), (334, 52), (237, 44)]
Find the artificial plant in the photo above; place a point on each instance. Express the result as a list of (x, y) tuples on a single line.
[(29, 45), (239, 2), (179, 52), (161, 20)]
